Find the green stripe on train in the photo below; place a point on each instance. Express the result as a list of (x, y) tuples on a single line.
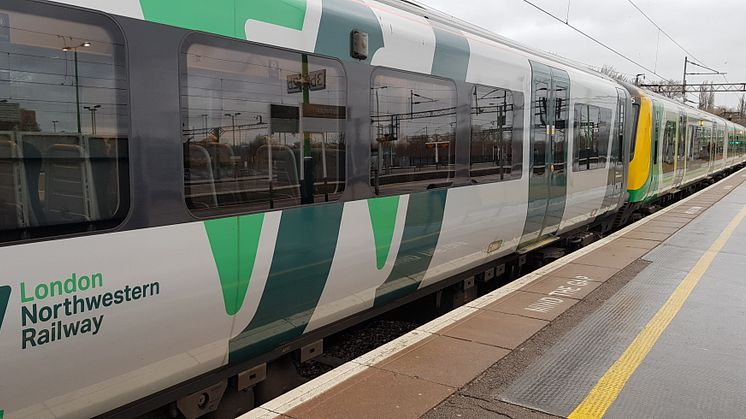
[(193, 14), (225, 17), (235, 242), (452, 54), (286, 13), (383, 213), (4, 298), (420, 237), (306, 243), (338, 19)]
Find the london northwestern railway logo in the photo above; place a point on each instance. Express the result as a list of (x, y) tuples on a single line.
[(68, 308), (4, 299)]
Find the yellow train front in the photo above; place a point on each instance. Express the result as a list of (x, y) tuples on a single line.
[(677, 147)]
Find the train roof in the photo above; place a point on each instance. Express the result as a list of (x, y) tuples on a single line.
[(675, 103), (417, 7)]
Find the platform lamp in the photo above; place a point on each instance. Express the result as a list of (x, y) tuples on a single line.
[(233, 116), (93, 110), (85, 44)]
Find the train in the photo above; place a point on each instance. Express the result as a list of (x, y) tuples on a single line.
[(192, 192)]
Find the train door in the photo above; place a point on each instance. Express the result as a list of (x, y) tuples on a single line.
[(615, 186), (681, 151), (711, 147), (657, 130), (550, 109)]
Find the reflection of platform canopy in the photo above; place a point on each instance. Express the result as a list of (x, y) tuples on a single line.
[(414, 115), (382, 118)]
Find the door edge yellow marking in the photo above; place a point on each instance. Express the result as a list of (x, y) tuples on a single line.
[(607, 389)]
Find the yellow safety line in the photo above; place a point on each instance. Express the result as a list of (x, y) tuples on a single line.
[(605, 392)]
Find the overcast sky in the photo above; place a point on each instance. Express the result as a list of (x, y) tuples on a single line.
[(712, 31)]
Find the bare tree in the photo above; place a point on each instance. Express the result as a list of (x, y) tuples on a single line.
[(670, 89), (610, 71), (742, 105), (707, 97)]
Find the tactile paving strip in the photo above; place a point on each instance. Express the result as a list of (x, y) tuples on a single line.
[(559, 381), (696, 370)]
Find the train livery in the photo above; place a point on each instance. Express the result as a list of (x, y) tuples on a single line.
[(190, 190)]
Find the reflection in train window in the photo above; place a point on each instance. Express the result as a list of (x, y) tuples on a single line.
[(592, 129), (414, 129), (669, 146), (719, 143), (63, 123), (706, 144), (262, 128), (496, 134), (699, 145), (539, 123)]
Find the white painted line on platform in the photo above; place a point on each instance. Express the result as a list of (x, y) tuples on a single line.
[(307, 391), (324, 383), (448, 319), (395, 346), (260, 413)]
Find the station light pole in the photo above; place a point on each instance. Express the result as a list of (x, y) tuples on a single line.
[(85, 44), (233, 116), (93, 110), (204, 119)]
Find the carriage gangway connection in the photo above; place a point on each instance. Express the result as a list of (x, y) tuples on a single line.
[(648, 322)]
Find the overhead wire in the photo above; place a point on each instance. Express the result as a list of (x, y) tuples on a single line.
[(698, 61), (695, 60), (663, 31), (592, 38)]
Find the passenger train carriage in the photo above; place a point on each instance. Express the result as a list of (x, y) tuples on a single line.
[(190, 190), (678, 146)]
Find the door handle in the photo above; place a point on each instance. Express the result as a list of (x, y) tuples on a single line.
[(549, 130)]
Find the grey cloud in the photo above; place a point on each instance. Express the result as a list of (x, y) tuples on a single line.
[(711, 31)]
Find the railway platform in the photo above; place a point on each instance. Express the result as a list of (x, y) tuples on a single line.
[(648, 322)]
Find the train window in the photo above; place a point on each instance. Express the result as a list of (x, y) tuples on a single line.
[(262, 128), (592, 134), (636, 121), (617, 151), (694, 139), (496, 134), (413, 133), (540, 123), (64, 121), (719, 144), (669, 146), (733, 143), (699, 145), (706, 144)]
